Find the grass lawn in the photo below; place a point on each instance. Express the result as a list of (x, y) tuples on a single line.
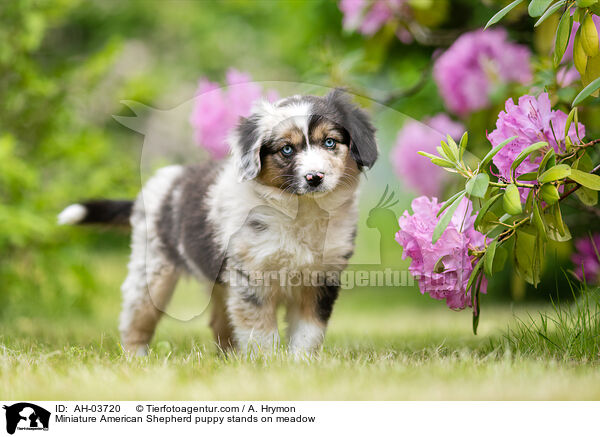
[(378, 348)]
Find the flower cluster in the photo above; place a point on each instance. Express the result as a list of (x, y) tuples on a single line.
[(414, 137), (475, 65), (217, 110), (368, 16), (587, 259), (415, 235), (531, 120)]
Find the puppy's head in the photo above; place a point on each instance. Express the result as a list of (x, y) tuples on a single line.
[(305, 144)]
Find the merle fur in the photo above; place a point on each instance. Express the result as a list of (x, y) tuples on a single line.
[(186, 224)]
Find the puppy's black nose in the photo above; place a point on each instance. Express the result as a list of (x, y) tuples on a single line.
[(314, 179)]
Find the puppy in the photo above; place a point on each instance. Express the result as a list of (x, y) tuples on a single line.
[(272, 225)]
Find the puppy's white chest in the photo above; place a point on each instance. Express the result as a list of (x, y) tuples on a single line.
[(282, 242)]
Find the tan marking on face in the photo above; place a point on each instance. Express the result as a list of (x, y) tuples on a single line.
[(270, 172), (323, 130), (351, 172), (276, 169)]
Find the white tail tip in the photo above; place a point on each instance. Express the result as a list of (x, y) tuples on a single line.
[(72, 214)]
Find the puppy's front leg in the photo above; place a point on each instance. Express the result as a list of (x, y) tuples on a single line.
[(307, 318), (254, 319)]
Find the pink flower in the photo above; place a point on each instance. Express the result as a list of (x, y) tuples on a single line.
[(217, 110), (586, 259), (532, 120), (376, 17), (566, 76), (368, 16), (415, 236), (477, 63), (414, 137), (352, 11)]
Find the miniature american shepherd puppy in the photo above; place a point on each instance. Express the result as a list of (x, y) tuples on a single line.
[(272, 225)]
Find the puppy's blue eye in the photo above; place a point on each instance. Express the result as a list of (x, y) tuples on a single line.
[(330, 143), (287, 150)]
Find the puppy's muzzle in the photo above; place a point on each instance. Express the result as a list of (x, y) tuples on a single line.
[(314, 179)]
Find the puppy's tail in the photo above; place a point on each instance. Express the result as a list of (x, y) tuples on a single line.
[(113, 212)]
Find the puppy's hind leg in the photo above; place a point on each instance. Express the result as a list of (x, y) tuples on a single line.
[(219, 319), (146, 292)]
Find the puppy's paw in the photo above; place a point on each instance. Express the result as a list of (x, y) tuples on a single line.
[(135, 349)]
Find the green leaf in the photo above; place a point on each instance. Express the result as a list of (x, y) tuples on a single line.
[(580, 58), (499, 259), (487, 158), (489, 223), (563, 32), (511, 202), (552, 224), (592, 71), (526, 256), (587, 180), (488, 259), (525, 153), (478, 185), (549, 12), (586, 3), (463, 144), (586, 196), (529, 199), (439, 266), (568, 142), (526, 177), (449, 202), (569, 121), (549, 194), (555, 173), (427, 155), (437, 160), (500, 15), (484, 209), (442, 224), (589, 36), (450, 151), (576, 120), (475, 304), (537, 7), (586, 92), (442, 163), (474, 274), (476, 317), (538, 222), (549, 158)]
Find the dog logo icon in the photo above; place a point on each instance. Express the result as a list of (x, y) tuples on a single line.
[(26, 416)]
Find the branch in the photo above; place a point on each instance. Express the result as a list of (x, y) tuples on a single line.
[(578, 186), (505, 235), (591, 143)]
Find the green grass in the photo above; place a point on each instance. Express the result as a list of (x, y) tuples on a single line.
[(380, 345), (569, 332)]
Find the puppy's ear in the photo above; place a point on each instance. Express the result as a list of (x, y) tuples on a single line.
[(245, 146), (363, 146)]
